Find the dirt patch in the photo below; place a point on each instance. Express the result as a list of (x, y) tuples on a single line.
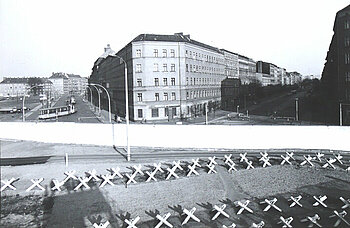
[(25, 211)]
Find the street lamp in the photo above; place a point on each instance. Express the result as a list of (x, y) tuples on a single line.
[(237, 108), (126, 104), (109, 100), (99, 99), (90, 94), (24, 97), (296, 109)]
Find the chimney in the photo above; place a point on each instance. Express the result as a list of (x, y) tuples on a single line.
[(108, 47)]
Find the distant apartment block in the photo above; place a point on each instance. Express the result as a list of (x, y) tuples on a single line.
[(246, 69), (15, 86), (63, 83), (270, 74)]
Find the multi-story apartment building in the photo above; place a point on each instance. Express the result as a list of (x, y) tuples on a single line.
[(336, 71), (76, 83), (59, 83), (15, 87), (246, 69), (231, 64), (169, 76)]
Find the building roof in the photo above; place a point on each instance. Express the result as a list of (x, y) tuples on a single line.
[(228, 51), (73, 76), (177, 37), (58, 75), (25, 80), (14, 80)]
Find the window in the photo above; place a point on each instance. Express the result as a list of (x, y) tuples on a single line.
[(173, 110), (139, 113), (164, 52), (165, 81), (155, 112), (138, 53), (166, 111), (347, 76), (138, 68), (187, 95), (155, 67), (186, 53), (156, 82), (347, 58), (165, 67), (155, 52), (139, 82), (156, 96), (173, 96), (190, 67), (186, 67), (172, 53), (139, 97), (186, 80), (172, 81), (172, 68), (347, 24), (347, 41), (166, 96)]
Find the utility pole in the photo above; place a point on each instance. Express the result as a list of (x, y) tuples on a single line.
[(296, 109), (340, 115)]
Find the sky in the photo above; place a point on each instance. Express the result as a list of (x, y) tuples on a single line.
[(38, 37)]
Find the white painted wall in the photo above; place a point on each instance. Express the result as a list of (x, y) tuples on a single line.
[(186, 136)]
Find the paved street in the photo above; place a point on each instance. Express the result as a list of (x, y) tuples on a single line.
[(83, 114)]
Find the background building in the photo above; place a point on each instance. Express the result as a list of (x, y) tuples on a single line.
[(15, 87), (230, 93), (246, 69), (336, 72)]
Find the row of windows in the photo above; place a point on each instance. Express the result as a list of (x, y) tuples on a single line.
[(156, 96), (156, 67), (165, 96), (203, 57), (155, 112), (203, 69), (202, 93), (202, 81), (155, 53), (156, 82), (165, 67), (164, 53)]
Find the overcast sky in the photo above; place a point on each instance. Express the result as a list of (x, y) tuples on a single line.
[(41, 37)]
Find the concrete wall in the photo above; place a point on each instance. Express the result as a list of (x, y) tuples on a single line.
[(187, 136)]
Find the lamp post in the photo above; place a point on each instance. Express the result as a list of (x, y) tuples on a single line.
[(24, 97), (126, 104), (237, 108), (99, 99), (109, 100), (90, 94), (296, 109)]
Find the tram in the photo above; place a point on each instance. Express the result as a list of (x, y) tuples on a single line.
[(55, 112)]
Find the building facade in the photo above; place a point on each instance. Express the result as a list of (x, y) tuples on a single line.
[(169, 76), (246, 69), (230, 90), (17, 87), (231, 64), (59, 83)]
